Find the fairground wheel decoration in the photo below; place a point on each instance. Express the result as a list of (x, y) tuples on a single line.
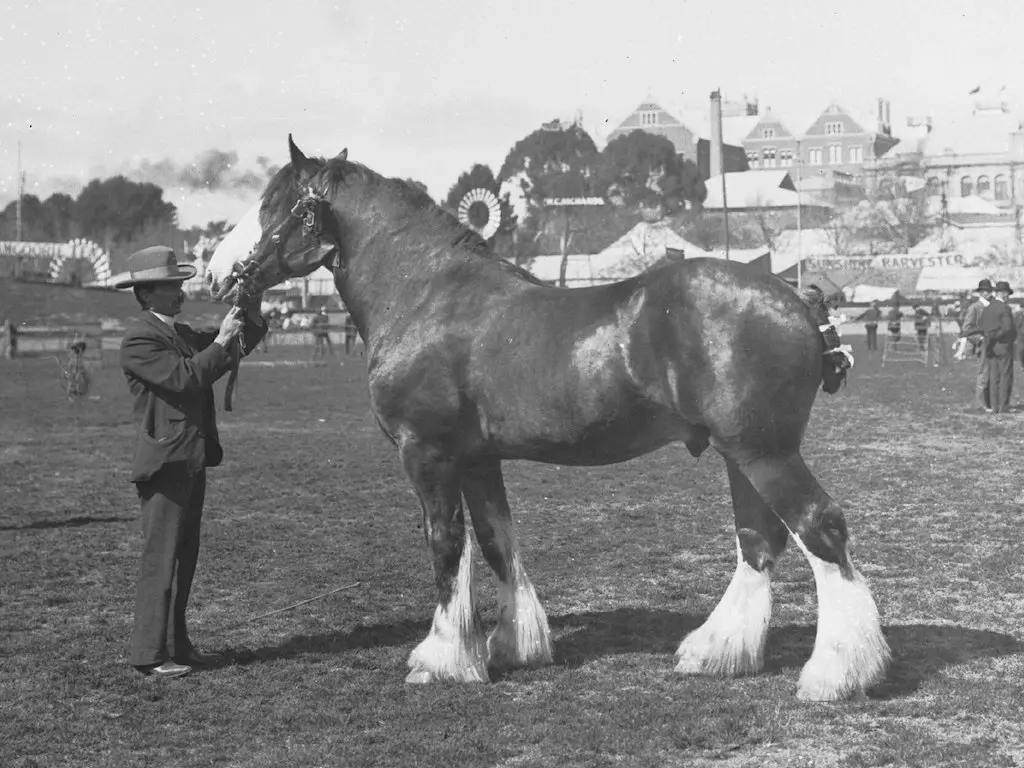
[(83, 249), (481, 212)]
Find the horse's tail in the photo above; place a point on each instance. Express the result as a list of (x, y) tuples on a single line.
[(837, 360)]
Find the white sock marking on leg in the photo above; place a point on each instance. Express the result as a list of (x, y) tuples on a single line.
[(850, 651), (731, 641), (455, 648), (522, 637)]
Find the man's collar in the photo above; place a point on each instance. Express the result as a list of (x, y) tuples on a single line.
[(167, 319)]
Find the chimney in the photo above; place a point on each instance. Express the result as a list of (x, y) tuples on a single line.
[(716, 166), (884, 124)]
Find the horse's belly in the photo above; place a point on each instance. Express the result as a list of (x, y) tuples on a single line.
[(565, 440)]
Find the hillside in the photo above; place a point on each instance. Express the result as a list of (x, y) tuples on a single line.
[(50, 304)]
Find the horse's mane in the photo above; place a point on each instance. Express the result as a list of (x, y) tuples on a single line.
[(414, 205)]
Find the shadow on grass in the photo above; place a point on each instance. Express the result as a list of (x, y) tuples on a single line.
[(920, 651), (71, 522)]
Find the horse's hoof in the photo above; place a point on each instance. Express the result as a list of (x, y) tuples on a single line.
[(419, 676)]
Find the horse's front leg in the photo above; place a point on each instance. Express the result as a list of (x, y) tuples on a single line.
[(522, 637), (455, 649)]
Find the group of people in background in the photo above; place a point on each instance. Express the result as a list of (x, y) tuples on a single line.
[(989, 330), (893, 317)]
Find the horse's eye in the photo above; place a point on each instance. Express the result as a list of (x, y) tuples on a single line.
[(275, 239)]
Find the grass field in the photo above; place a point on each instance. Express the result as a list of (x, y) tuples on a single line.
[(626, 560)]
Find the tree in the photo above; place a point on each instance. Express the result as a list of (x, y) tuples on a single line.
[(116, 210), (47, 220), (640, 169), (897, 213), (557, 160)]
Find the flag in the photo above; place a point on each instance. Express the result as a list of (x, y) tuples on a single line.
[(974, 90)]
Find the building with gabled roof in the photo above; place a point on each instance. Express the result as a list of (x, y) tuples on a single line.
[(650, 117)]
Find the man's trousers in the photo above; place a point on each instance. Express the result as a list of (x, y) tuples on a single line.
[(172, 510), (1000, 382)]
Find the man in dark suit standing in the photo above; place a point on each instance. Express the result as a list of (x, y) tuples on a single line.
[(997, 330), (170, 370)]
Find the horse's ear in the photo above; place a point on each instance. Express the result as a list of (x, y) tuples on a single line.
[(304, 166), (297, 157), (343, 155)]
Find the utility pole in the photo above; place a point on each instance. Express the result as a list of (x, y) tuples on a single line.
[(21, 190), (799, 228), (718, 145)]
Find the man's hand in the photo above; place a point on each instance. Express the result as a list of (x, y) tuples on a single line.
[(230, 327)]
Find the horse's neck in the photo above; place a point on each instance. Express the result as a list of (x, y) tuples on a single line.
[(386, 268)]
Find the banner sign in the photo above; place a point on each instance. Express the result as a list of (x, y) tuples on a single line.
[(570, 201), (890, 261)]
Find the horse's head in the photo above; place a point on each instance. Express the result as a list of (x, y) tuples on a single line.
[(290, 233)]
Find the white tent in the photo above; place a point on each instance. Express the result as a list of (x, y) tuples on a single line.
[(949, 279), (866, 292)]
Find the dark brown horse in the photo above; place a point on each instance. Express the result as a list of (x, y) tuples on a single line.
[(473, 361)]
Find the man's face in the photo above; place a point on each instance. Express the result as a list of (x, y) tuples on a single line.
[(1003, 296), (166, 298)]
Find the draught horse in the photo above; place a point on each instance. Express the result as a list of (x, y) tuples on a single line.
[(473, 361)]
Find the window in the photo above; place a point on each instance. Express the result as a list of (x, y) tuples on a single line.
[(934, 186), (835, 154), (768, 153), (833, 128), (785, 158), (754, 158), (1002, 188), (984, 187), (966, 186), (768, 133), (814, 156), (856, 154), (648, 118)]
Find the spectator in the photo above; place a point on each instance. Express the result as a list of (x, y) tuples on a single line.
[(922, 321), (350, 333), (894, 318), (1000, 337), (971, 330), (871, 316), (321, 334)]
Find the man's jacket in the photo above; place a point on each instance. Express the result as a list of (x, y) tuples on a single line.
[(171, 374)]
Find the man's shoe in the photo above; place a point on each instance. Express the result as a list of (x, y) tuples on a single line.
[(199, 658), (167, 670)]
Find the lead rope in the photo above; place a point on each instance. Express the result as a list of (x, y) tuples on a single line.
[(241, 273), (236, 360)]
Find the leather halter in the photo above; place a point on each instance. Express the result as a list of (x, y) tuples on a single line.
[(309, 210)]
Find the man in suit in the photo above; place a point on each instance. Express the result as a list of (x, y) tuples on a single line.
[(170, 370), (996, 330), (971, 330), (1004, 335)]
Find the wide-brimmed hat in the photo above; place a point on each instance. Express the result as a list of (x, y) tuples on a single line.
[(984, 285), (1002, 285), (156, 264)]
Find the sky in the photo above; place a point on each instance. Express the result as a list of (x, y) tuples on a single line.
[(200, 97)]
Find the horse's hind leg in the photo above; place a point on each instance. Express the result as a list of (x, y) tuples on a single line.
[(455, 648), (522, 637), (850, 651), (731, 641)]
